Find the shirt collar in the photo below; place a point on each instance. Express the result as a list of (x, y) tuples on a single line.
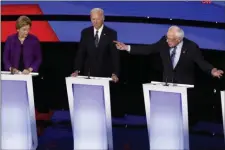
[(99, 30), (179, 46)]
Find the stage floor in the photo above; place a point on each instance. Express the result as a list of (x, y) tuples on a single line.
[(129, 133)]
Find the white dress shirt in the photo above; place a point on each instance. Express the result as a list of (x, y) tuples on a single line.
[(177, 54), (99, 31)]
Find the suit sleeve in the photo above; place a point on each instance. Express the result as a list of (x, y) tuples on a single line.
[(115, 55), (37, 57), (146, 49), (79, 60), (6, 55), (199, 60)]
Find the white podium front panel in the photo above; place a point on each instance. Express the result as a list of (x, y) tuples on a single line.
[(90, 110), (18, 124), (223, 109), (167, 117)]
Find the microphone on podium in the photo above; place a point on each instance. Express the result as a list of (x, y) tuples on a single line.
[(170, 81), (166, 82), (89, 73), (89, 70)]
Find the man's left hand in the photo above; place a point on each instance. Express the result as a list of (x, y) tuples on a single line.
[(115, 78), (217, 73)]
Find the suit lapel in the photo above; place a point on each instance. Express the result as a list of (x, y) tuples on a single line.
[(167, 54), (102, 38), (183, 52), (92, 37)]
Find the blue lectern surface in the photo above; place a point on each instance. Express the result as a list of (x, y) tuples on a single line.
[(18, 125), (89, 108), (166, 120), (15, 115), (167, 116), (89, 103), (222, 93)]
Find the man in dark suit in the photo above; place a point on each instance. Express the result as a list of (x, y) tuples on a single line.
[(97, 54), (179, 56)]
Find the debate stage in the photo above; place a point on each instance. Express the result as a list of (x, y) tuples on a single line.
[(129, 133)]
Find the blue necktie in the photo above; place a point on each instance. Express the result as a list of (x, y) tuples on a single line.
[(172, 56)]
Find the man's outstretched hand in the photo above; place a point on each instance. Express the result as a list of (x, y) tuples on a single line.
[(121, 46), (115, 78), (75, 74), (217, 73)]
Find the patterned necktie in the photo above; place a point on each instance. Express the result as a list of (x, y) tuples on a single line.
[(172, 56), (96, 39)]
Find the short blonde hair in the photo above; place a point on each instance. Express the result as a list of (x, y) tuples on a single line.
[(22, 21)]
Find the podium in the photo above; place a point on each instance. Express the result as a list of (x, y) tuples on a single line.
[(90, 112), (18, 123), (167, 115), (222, 93)]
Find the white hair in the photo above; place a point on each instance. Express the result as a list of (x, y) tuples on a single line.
[(94, 10), (179, 33), (97, 10)]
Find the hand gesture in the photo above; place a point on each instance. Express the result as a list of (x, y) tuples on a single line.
[(121, 46), (75, 74), (14, 70), (115, 78), (217, 73), (26, 71)]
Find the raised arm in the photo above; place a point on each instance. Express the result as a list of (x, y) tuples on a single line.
[(143, 49), (140, 49), (115, 55), (204, 65)]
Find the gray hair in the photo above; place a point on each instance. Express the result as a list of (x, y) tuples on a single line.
[(98, 10), (178, 31)]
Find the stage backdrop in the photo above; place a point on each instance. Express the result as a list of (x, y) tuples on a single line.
[(138, 33)]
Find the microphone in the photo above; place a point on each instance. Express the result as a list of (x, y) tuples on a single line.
[(170, 80), (89, 70), (166, 82), (89, 73), (174, 81)]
